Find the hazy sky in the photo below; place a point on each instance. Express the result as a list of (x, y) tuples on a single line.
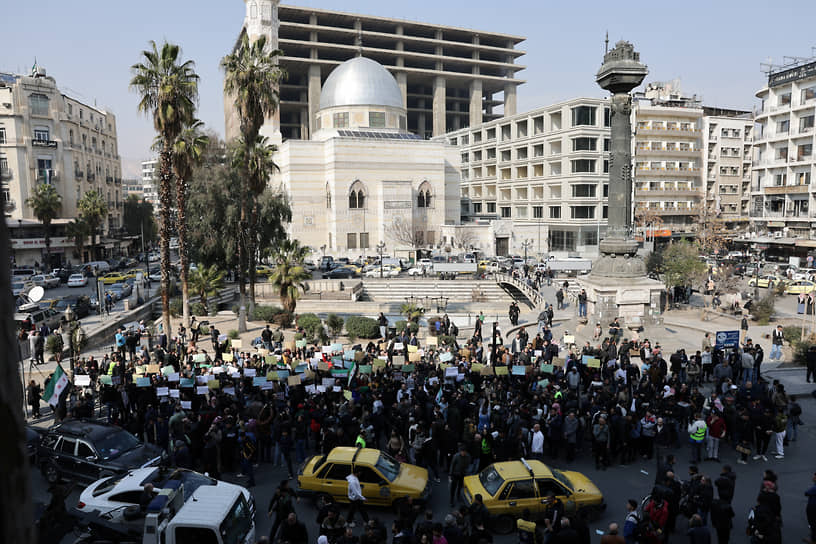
[(715, 47)]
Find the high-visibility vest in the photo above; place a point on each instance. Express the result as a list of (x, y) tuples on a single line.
[(360, 443), (699, 434), (485, 446)]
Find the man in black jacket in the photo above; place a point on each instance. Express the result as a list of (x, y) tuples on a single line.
[(458, 467), (294, 531), (725, 484)]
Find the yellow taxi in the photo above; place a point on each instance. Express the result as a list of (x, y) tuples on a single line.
[(133, 273), (383, 479), (797, 287), (113, 277), (765, 280), (263, 270), (510, 487), (482, 266)]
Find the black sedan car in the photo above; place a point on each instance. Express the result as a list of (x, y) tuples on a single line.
[(80, 305), (87, 451), (339, 273)]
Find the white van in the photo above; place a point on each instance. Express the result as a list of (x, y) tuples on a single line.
[(101, 267)]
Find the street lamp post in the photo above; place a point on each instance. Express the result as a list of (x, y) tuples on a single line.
[(380, 250), (526, 244), (70, 322)]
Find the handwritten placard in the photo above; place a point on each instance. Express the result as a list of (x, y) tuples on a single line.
[(398, 360), (322, 365), (202, 390), (187, 404), (569, 339), (547, 369), (300, 343), (227, 357), (501, 370), (414, 357), (142, 382), (236, 343), (594, 363), (558, 361), (451, 372), (214, 384), (250, 372), (408, 368), (229, 391), (364, 369), (186, 382), (168, 370), (412, 349), (432, 341), (199, 358), (82, 380), (476, 367), (294, 380), (174, 393), (445, 357), (519, 370), (336, 347), (486, 370), (162, 391)]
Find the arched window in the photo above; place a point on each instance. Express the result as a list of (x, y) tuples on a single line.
[(357, 196), (424, 196), (328, 197)]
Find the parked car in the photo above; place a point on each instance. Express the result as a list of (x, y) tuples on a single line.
[(766, 280), (153, 257), (509, 488), (37, 316), (414, 271), (387, 272), (80, 305), (22, 274), (77, 280), (86, 451), (61, 273), (114, 495), (797, 287), (20, 287), (340, 272), (155, 276), (383, 479), (119, 291), (46, 281), (326, 262)]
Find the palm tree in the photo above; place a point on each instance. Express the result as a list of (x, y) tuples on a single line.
[(93, 210), (205, 282), (77, 230), (46, 203), (257, 160), (252, 75), (169, 90), (289, 275), (187, 152)]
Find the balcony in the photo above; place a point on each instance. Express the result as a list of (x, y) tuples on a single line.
[(47, 176), (79, 174), (6, 174), (672, 191), (91, 177), (109, 179), (787, 189), (44, 143), (673, 172), (668, 152)]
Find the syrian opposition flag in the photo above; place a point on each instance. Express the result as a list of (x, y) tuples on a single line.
[(57, 384), (352, 373)]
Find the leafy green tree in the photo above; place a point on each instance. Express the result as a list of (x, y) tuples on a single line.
[(289, 275), (205, 282), (251, 77), (654, 262), (168, 90), (682, 265), (335, 324), (93, 209), (188, 150), (138, 216), (46, 204)]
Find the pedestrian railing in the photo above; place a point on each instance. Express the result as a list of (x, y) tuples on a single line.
[(532, 294)]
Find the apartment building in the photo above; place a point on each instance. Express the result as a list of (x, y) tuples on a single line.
[(49, 137), (782, 193), (449, 77), (536, 182), (150, 176), (728, 149), (668, 156)]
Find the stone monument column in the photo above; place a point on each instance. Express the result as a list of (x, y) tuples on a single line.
[(617, 285)]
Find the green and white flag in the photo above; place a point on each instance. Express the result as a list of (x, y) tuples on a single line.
[(57, 384)]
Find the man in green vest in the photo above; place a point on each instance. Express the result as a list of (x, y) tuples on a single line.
[(361, 440), (697, 433)]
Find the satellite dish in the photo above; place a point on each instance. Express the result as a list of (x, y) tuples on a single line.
[(36, 293)]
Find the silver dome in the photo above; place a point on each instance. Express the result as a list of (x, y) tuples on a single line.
[(360, 82)]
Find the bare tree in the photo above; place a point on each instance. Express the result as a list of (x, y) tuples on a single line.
[(16, 519), (711, 232), (403, 233), (464, 239), (647, 219)]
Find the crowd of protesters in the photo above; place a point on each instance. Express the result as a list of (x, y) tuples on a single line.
[(617, 399)]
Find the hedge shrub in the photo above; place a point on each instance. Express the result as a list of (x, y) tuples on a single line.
[(412, 326), (283, 319), (362, 327), (265, 313), (311, 324), (335, 324)]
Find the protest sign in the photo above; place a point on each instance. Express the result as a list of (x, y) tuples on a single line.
[(202, 390), (547, 369), (519, 370), (174, 393), (82, 380), (199, 358), (214, 384), (187, 404), (162, 391), (250, 372), (501, 370), (294, 380)]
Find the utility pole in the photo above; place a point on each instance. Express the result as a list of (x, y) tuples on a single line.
[(380, 250)]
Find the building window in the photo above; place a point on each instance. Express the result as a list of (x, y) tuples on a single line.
[(71, 136), (806, 123), (341, 120), (538, 212), (419, 237), (41, 134), (804, 151), (477, 207), (2, 134), (808, 94), (424, 196), (606, 166), (584, 144), (357, 196), (589, 238), (555, 212), (364, 240), (783, 127), (607, 117), (584, 190), (583, 166), (328, 197), (582, 212), (562, 240), (491, 207), (376, 119), (38, 104), (606, 190), (605, 212), (607, 144), (784, 99), (505, 212), (351, 240), (583, 115)]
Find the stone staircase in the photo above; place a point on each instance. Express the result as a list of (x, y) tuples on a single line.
[(459, 290)]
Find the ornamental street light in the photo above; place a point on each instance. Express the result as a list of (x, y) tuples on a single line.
[(381, 250)]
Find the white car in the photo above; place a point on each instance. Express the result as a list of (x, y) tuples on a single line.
[(427, 263), (77, 280), (153, 257), (111, 496), (20, 287), (417, 270), (387, 272), (46, 281)]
